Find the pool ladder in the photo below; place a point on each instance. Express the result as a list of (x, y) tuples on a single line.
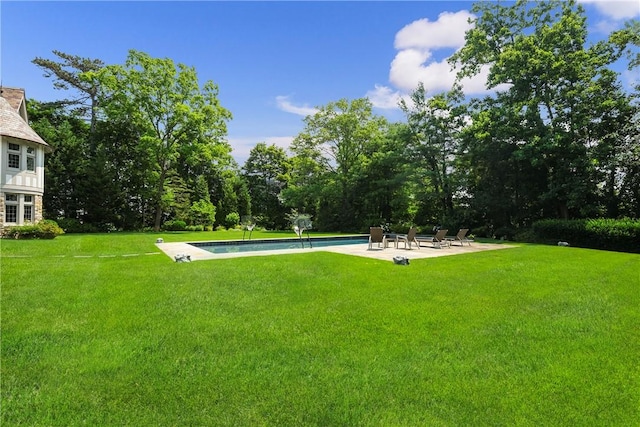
[(300, 231), (246, 228)]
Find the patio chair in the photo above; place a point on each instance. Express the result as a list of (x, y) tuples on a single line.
[(460, 237), (408, 238), (437, 241), (376, 235)]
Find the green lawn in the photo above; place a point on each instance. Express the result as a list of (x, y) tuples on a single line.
[(534, 335)]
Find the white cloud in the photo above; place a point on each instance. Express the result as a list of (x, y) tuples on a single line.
[(416, 43), (606, 26), (414, 62), (438, 76), (384, 97), (478, 84), (616, 9), (447, 32), (410, 68), (285, 104), (613, 13)]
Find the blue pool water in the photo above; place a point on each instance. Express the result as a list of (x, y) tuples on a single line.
[(275, 244)]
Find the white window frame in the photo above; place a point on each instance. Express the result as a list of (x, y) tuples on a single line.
[(14, 204), (22, 207), (31, 156), (27, 206), (13, 151)]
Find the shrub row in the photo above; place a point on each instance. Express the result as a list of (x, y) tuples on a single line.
[(73, 225), (46, 229), (621, 235), (174, 225), (179, 225)]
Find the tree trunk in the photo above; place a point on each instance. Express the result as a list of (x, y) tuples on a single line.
[(156, 226), (563, 210), (158, 219)]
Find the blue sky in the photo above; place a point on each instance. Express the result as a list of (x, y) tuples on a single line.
[(273, 61)]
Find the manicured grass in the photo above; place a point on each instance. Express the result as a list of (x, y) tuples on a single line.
[(533, 335), (103, 244)]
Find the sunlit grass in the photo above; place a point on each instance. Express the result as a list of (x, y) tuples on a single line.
[(119, 244), (526, 336)]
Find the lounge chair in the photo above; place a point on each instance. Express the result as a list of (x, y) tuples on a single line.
[(437, 241), (460, 237), (408, 238), (376, 235)]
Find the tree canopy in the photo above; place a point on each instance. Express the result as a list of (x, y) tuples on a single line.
[(557, 137), (178, 121), (333, 152)]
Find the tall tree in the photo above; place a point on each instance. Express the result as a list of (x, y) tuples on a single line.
[(435, 123), (335, 140), (627, 158), (68, 73), (267, 173), (67, 165), (231, 195), (178, 121), (118, 178), (385, 192), (501, 179), (538, 50)]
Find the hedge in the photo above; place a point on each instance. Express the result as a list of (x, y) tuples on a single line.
[(174, 225), (621, 235), (46, 229), (73, 225)]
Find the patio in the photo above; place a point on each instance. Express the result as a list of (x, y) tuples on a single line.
[(360, 249)]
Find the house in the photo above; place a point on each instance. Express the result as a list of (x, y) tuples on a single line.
[(22, 153)]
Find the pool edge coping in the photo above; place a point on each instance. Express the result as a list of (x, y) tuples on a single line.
[(357, 249)]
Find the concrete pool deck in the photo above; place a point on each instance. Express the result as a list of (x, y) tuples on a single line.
[(358, 249)]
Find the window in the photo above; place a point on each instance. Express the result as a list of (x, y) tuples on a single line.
[(31, 159), (14, 161), (28, 213), (14, 156), (27, 208), (11, 214), (19, 208), (11, 208)]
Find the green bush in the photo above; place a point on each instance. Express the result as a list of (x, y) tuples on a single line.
[(483, 231), (46, 229), (195, 228), (73, 225), (401, 227), (174, 225), (609, 234), (203, 213), (21, 232), (504, 233), (232, 220), (526, 235)]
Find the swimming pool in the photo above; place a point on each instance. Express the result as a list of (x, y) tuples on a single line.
[(225, 247)]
